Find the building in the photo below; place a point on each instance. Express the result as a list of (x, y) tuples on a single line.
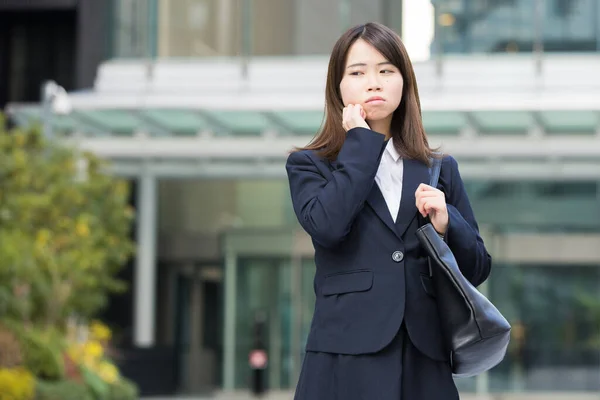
[(63, 40), (498, 26), (204, 140)]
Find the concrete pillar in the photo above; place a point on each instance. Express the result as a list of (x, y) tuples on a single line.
[(145, 266), (229, 341)]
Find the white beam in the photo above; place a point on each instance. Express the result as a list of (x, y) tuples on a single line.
[(528, 148), (555, 249), (470, 169), (313, 100)]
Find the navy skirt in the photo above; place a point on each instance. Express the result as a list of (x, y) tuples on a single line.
[(397, 372)]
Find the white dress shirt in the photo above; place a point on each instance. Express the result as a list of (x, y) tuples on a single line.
[(389, 178)]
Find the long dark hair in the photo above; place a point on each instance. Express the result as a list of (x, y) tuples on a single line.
[(407, 129)]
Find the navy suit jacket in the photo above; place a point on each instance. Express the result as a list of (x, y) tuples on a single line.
[(371, 272)]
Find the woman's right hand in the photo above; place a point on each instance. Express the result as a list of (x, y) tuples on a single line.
[(354, 116)]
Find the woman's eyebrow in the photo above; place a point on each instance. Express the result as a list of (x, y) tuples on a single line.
[(364, 64)]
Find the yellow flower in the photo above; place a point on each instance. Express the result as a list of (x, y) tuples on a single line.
[(82, 229), (93, 349), (42, 238), (99, 331), (108, 372), (16, 384)]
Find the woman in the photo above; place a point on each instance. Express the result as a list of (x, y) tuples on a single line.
[(357, 190)]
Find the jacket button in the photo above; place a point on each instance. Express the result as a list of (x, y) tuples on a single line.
[(397, 256)]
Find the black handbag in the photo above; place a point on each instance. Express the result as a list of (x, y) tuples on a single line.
[(477, 334)]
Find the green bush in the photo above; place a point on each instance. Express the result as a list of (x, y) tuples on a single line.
[(10, 349), (62, 390), (65, 228), (124, 389), (42, 356), (99, 388)]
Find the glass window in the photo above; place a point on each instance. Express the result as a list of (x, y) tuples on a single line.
[(536, 206), (466, 26), (555, 315), (134, 28), (265, 285), (196, 28)]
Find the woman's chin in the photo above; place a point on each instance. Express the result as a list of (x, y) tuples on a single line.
[(377, 117)]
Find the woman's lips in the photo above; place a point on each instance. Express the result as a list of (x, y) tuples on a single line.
[(375, 100)]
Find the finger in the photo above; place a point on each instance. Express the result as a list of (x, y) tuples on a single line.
[(425, 187), (421, 207), (428, 207), (361, 110), (430, 195), (427, 190), (421, 188), (430, 201), (433, 205), (352, 110), (420, 197)]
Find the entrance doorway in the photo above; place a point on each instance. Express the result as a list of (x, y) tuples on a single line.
[(198, 327), (267, 273), (280, 289)]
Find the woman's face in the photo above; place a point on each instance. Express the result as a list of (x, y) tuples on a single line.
[(371, 81)]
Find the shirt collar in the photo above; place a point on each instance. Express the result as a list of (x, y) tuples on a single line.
[(392, 150)]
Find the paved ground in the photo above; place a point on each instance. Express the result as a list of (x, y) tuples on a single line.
[(230, 396), (505, 396)]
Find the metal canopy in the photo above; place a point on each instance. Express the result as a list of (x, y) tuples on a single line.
[(157, 122), (495, 114)]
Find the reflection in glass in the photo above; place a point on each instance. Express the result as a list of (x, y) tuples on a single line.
[(265, 285), (493, 26), (555, 313)]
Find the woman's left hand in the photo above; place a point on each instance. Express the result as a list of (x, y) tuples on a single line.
[(432, 202)]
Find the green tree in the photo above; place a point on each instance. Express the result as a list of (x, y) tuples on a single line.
[(63, 237)]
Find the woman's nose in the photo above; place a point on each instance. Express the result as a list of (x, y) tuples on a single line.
[(374, 83)]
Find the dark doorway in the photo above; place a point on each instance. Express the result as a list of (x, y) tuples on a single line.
[(36, 46)]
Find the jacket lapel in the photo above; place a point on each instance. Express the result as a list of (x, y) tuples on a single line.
[(378, 204), (414, 173)]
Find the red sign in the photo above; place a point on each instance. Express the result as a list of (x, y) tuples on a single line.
[(258, 359)]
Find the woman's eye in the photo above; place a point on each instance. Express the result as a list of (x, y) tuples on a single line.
[(356, 73), (387, 71)]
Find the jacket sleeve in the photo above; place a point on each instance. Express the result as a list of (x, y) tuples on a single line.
[(463, 232), (324, 207)]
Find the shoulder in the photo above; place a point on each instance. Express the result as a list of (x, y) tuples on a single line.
[(449, 175), (449, 163), (301, 157)]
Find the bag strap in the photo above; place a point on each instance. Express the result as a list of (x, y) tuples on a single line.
[(434, 171), (434, 177)]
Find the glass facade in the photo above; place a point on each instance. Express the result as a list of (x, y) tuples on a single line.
[(554, 310), (493, 26), (201, 28), (543, 238), (268, 285), (224, 28), (134, 28)]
